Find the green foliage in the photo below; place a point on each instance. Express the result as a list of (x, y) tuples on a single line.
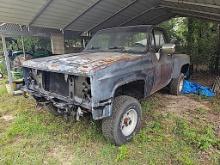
[(30, 43), (203, 45), (176, 29), (1, 47), (3, 66), (122, 153), (3, 90), (195, 37), (200, 138)]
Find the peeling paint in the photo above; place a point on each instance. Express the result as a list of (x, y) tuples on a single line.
[(99, 76), (82, 63)]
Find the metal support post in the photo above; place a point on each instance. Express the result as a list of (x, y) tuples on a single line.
[(7, 60)]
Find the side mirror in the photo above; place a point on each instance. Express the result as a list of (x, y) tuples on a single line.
[(168, 49)]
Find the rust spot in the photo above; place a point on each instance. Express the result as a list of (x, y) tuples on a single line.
[(112, 59)]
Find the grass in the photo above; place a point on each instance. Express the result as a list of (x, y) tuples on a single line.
[(202, 137), (37, 137), (3, 89), (216, 105)]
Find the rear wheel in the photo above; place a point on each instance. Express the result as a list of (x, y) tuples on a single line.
[(1, 76), (125, 121), (176, 85)]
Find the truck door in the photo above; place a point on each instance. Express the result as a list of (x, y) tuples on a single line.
[(162, 62)]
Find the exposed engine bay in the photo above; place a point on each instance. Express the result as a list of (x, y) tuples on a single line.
[(67, 93)]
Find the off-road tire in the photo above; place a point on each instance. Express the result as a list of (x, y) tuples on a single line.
[(175, 85), (1, 76), (111, 125)]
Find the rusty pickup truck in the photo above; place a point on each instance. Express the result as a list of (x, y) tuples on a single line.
[(118, 67)]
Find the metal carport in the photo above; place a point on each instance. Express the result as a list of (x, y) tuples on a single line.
[(92, 15)]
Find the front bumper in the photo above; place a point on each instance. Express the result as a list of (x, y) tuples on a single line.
[(55, 98), (99, 110)]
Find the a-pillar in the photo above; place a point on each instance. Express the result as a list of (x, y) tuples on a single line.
[(57, 43)]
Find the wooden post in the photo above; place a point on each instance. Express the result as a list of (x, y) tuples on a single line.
[(7, 61)]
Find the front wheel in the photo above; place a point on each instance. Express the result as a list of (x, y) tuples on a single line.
[(125, 121), (176, 85)]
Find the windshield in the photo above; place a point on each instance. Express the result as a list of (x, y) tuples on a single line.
[(129, 41)]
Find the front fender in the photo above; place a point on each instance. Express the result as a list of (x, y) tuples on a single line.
[(102, 106)]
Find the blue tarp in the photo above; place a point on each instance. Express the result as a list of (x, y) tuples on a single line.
[(196, 88)]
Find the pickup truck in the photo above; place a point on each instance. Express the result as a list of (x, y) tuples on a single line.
[(119, 67)]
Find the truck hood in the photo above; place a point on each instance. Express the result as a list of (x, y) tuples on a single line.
[(79, 63)]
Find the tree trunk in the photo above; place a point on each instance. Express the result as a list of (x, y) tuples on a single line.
[(190, 36), (217, 59)]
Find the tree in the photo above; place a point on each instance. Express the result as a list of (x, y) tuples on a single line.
[(197, 38)]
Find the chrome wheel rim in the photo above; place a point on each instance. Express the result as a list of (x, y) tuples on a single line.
[(128, 122), (181, 86)]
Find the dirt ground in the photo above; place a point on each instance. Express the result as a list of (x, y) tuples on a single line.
[(176, 130), (187, 106), (204, 78)]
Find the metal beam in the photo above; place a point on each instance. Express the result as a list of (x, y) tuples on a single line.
[(164, 18), (15, 30), (77, 18), (7, 60), (155, 18), (191, 10), (116, 13), (164, 2), (42, 9), (142, 13), (196, 16)]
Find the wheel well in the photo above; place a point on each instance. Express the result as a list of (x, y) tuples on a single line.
[(185, 68), (186, 71), (134, 89)]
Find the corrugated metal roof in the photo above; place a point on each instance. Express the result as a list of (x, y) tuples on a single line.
[(92, 15), (207, 9), (60, 13), (17, 30), (21, 12)]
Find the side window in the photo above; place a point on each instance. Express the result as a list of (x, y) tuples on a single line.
[(158, 40)]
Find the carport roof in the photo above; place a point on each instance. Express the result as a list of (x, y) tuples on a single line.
[(92, 15)]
